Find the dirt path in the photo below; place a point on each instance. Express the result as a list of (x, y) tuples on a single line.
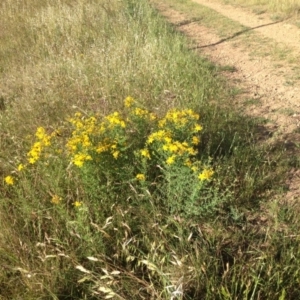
[(281, 32), (267, 92)]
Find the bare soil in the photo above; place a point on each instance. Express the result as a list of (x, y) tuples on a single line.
[(267, 90)]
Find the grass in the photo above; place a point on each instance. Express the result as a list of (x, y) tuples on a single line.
[(287, 111), (98, 232), (252, 101), (285, 7)]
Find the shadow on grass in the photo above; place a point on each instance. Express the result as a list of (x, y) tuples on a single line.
[(244, 162)]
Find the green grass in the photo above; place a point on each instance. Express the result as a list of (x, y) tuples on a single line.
[(90, 233)]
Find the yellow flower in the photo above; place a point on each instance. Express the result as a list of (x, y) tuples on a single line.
[(158, 135), (140, 112), (197, 128), (115, 119), (145, 153), (128, 101), (35, 152), (55, 199), (46, 140), (162, 123), (195, 140), (206, 174), (191, 151), (42, 136), (150, 139), (140, 177), (77, 203), (173, 148), (152, 116), (102, 147), (32, 160), (20, 167), (167, 139), (194, 168), (178, 118), (40, 133), (80, 158), (188, 163), (9, 180), (165, 147), (85, 141), (171, 160), (116, 154)]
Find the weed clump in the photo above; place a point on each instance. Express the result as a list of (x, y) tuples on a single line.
[(123, 152)]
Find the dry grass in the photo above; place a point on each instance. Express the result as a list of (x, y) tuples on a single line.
[(287, 7)]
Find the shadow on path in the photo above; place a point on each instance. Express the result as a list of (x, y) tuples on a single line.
[(186, 22)]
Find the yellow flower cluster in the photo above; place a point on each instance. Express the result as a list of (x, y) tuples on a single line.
[(104, 146), (137, 112), (43, 140), (179, 118), (91, 136), (80, 136), (143, 113), (169, 142), (179, 148), (129, 101), (206, 174), (80, 158), (115, 119), (109, 146), (176, 136), (159, 135), (174, 140)]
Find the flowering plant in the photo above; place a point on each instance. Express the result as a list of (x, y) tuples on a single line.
[(135, 149)]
